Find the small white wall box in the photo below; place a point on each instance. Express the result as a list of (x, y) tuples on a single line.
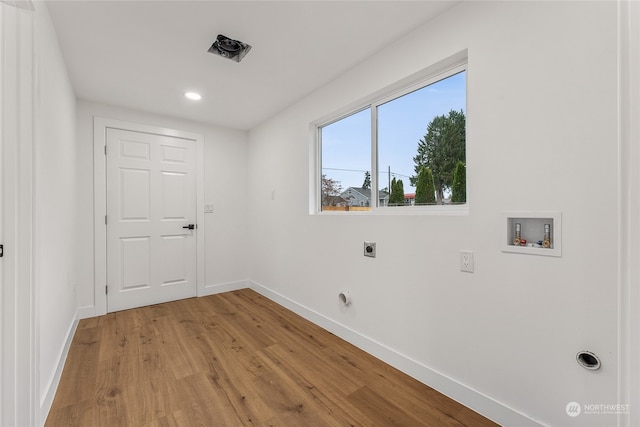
[(532, 229)]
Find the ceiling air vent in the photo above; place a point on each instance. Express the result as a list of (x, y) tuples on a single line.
[(229, 48)]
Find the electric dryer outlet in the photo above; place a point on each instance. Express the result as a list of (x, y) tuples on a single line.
[(370, 249)]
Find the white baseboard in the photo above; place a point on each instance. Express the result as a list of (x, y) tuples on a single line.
[(467, 396), (91, 311), (86, 312), (223, 287), (47, 400)]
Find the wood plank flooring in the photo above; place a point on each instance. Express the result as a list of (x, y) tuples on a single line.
[(234, 359)]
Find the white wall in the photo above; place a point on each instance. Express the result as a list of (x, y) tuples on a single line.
[(541, 136), (225, 187), (54, 204)]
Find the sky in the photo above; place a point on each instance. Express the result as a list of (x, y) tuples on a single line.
[(402, 122)]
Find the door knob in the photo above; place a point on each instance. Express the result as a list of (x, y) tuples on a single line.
[(190, 226)]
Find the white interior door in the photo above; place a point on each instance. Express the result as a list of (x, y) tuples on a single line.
[(151, 202)]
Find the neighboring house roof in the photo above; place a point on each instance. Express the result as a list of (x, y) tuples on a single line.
[(363, 193)]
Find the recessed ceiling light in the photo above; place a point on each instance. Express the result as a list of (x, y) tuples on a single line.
[(193, 96)]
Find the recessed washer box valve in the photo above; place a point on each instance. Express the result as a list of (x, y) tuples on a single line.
[(370, 249)]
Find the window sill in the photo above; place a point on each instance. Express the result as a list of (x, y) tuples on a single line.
[(460, 210)]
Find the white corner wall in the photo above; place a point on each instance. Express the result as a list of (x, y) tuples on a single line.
[(54, 183), (542, 135), (225, 187)]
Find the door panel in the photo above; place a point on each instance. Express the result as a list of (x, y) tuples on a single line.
[(134, 194), (135, 258), (173, 154), (174, 196), (151, 190), (174, 263)]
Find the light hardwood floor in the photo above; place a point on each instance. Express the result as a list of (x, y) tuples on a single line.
[(234, 359)]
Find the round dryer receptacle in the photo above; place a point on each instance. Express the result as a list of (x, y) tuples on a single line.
[(588, 360), (345, 297)]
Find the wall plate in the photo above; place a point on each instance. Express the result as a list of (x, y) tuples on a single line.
[(466, 261), (370, 249)]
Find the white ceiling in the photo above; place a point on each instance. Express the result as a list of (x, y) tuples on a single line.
[(145, 54)]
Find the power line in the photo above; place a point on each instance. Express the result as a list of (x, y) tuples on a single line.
[(344, 170), (357, 170), (396, 174), (391, 174)]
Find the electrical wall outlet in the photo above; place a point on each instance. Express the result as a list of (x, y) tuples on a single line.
[(466, 261), (370, 249)]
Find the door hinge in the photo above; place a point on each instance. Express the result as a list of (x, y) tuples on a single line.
[(105, 220), (1, 251), (105, 150), (106, 290)]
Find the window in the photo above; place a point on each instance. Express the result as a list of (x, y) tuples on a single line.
[(415, 156), (346, 161)]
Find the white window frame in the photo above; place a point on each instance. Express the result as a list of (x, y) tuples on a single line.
[(446, 68)]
